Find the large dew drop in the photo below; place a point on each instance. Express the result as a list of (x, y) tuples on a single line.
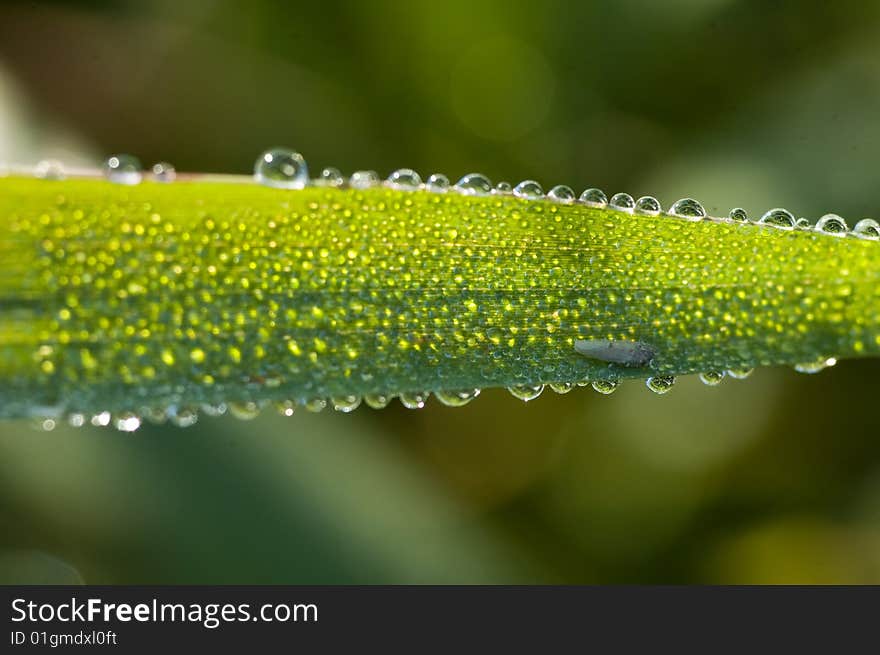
[(457, 397), (605, 387), (363, 179), (660, 383), (528, 189), (648, 206), (594, 198), (437, 183), (330, 177), (778, 218), (123, 169), (281, 168), (832, 224), (738, 214), (346, 404), (164, 172), (377, 400), (867, 228), (622, 202), (526, 392), (712, 378), (689, 209), (49, 169), (405, 179), (474, 184), (414, 399), (561, 193)]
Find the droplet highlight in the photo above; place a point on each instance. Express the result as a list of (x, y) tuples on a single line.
[(164, 172)]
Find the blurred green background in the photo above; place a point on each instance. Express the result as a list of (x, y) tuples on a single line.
[(735, 102)]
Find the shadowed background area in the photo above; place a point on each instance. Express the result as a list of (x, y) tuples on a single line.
[(735, 102)]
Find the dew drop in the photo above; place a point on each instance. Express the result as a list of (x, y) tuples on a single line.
[(183, 417), (689, 209), (330, 177), (561, 387), (76, 420), (415, 399), (815, 366), (594, 198), (561, 193), (660, 383), (474, 184), (404, 179), (740, 373), (46, 424), (803, 224), (526, 392), (285, 407), (345, 404), (622, 202), (164, 172), (127, 422), (49, 169), (528, 189), (605, 387), (315, 405), (867, 228), (123, 169), (363, 179), (778, 218), (245, 410), (503, 189), (832, 224), (712, 378), (437, 183), (155, 415), (209, 409), (648, 206), (457, 397), (738, 214), (101, 419), (281, 168), (377, 400)]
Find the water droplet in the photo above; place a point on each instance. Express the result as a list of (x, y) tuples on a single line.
[(415, 399), (474, 184), (778, 218), (377, 400), (76, 420), (561, 387), (155, 415), (363, 179), (244, 410), (803, 224), (404, 178), (345, 404), (209, 409), (605, 387), (594, 198), (832, 224), (689, 209), (164, 172), (100, 419), (740, 373), (712, 378), (739, 215), (561, 193), (123, 169), (49, 169), (816, 365), (503, 189), (281, 168), (660, 383), (330, 177), (648, 206), (528, 189), (285, 407), (526, 392), (315, 405), (437, 183), (46, 424), (127, 422), (183, 417), (867, 228), (457, 397), (622, 202)]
